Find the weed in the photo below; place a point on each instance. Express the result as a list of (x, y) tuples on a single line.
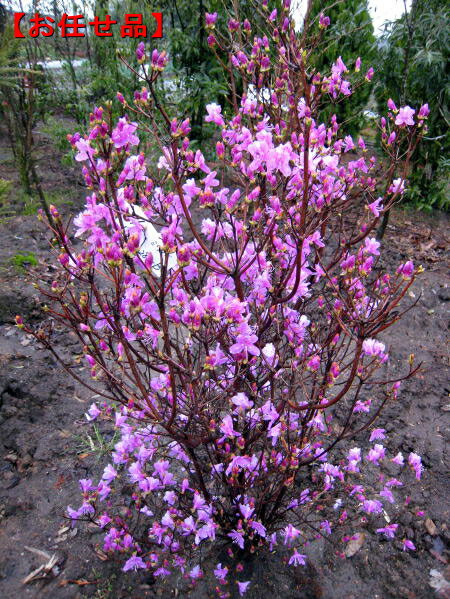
[(97, 443)]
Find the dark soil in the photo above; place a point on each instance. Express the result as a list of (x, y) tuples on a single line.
[(45, 448)]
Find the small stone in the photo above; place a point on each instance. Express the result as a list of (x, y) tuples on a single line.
[(444, 294), (431, 527), (355, 545)]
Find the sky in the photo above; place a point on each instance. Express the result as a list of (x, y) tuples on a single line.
[(380, 11), (386, 10)]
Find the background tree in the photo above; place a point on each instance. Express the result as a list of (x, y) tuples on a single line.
[(414, 69), (350, 35), (197, 70)]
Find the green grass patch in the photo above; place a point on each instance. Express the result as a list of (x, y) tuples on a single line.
[(22, 261)]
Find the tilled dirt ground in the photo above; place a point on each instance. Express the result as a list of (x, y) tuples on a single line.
[(45, 447)]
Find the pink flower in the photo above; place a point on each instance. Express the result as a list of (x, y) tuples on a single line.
[(391, 105), (214, 114), (371, 246), (415, 462), (245, 344), (407, 270), (372, 347), (314, 363), (376, 207), (123, 134), (391, 138), (424, 111), (398, 459), (369, 74), (405, 116), (85, 150)]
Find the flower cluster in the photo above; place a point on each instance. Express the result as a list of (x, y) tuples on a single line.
[(235, 325)]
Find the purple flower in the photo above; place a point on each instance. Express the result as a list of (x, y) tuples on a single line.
[(408, 545), (73, 514), (227, 428), (195, 573), (134, 563), (372, 506), (297, 559), (161, 572), (242, 401), (92, 413), (388, 531), (210, 19), (376, 453), (237, 538), (377, 433), (242, 586), (109, 473), (245, 344), (140, 52), (324, 21), (86, 485), (405, 116), (220, 573), (387, 494), (246, 510), (290, 533), (260, 529), (104, 520)]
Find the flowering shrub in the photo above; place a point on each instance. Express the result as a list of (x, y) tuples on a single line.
[(235, 354)]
